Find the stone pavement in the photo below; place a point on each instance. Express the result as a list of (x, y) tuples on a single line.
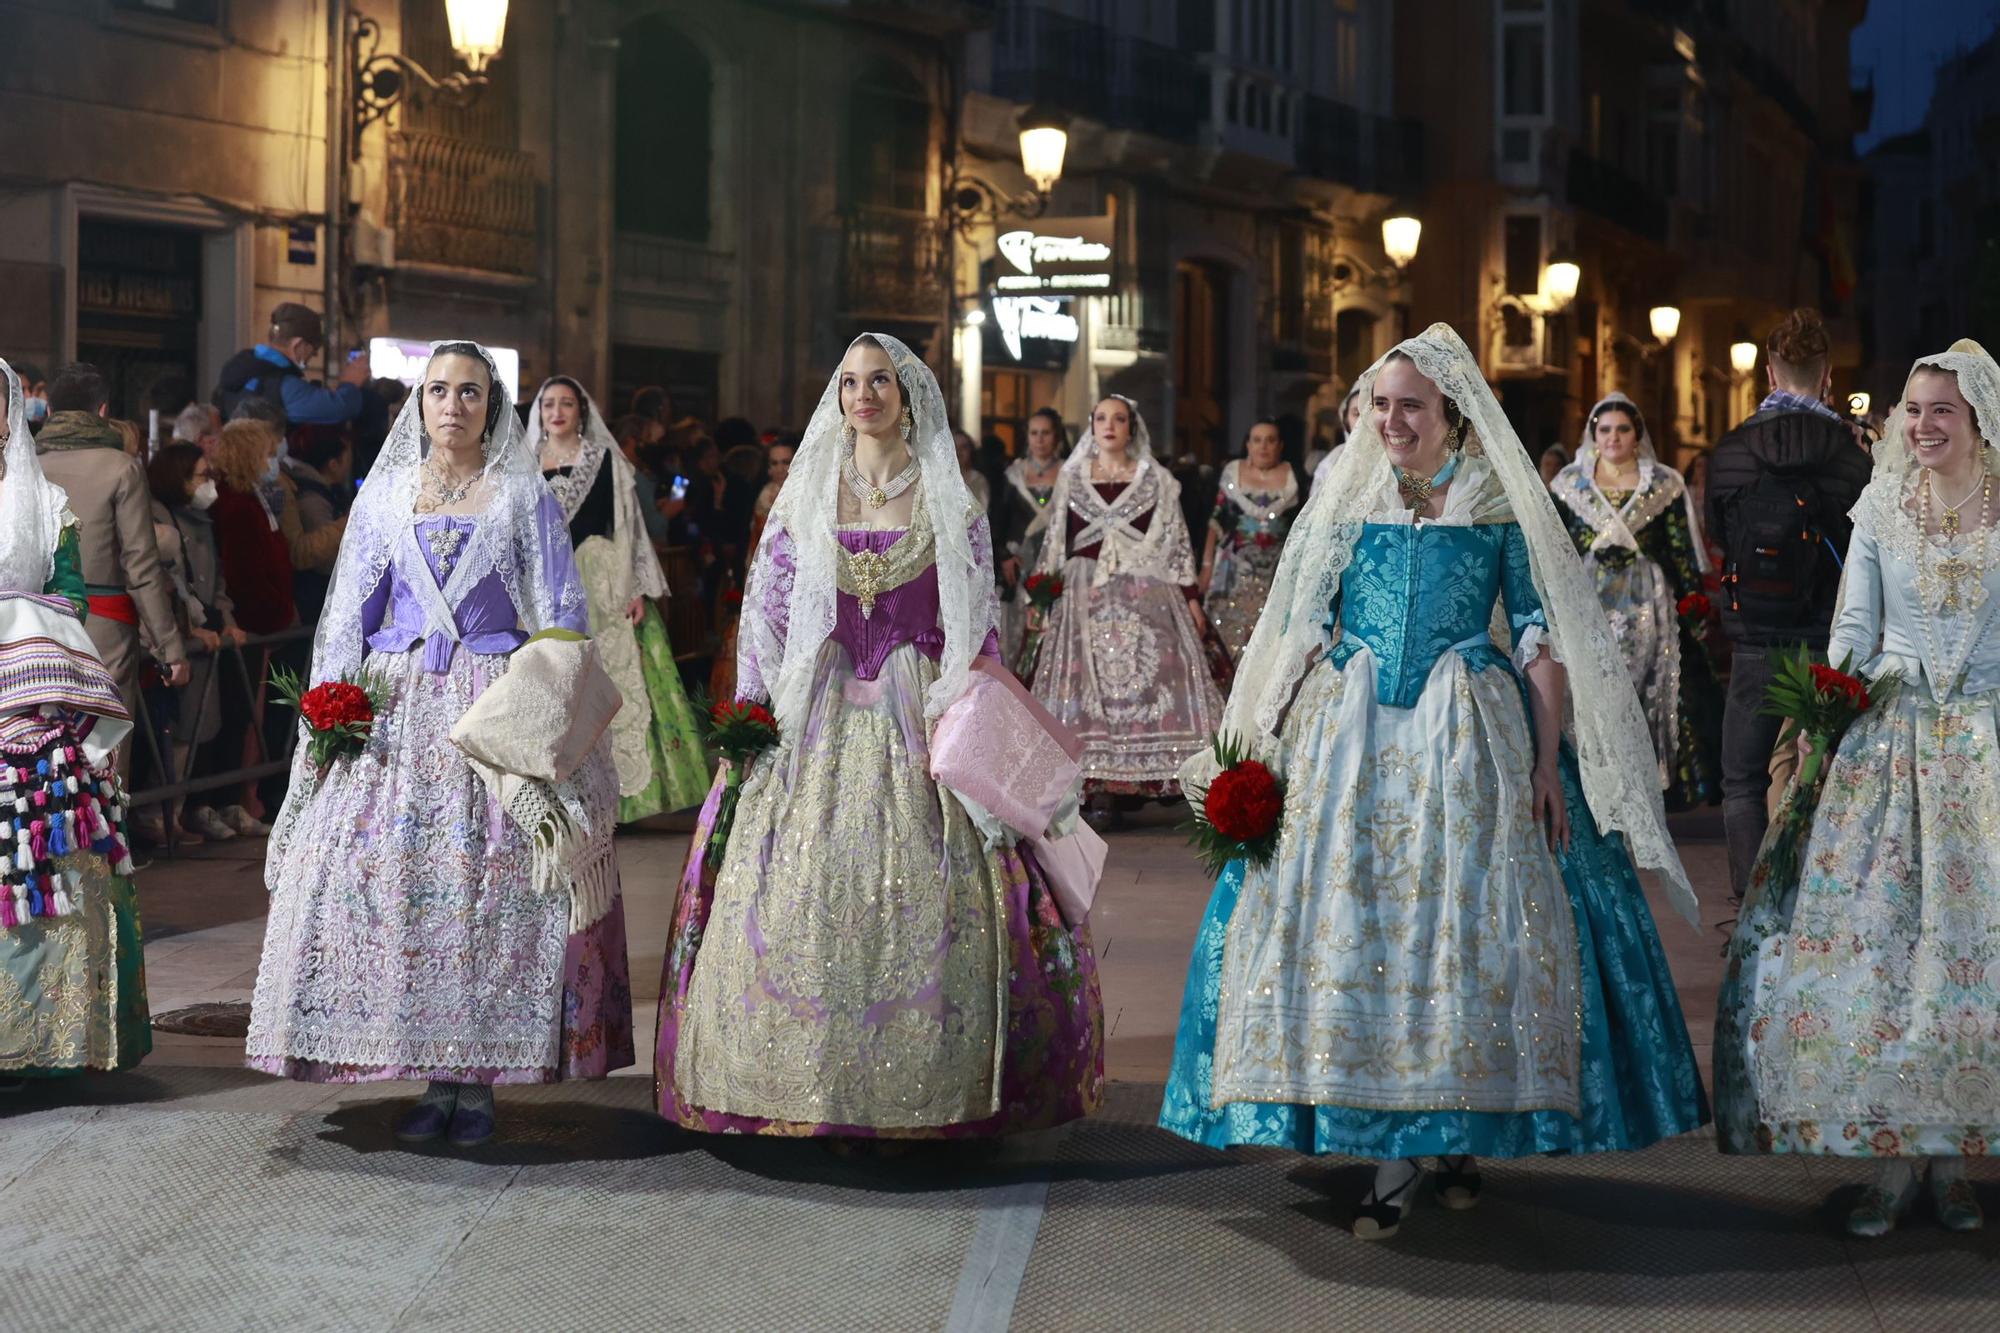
[(191, 1194)]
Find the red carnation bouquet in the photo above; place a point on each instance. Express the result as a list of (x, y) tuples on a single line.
[(1820, 703), (1695, 610), (1043, 590), (739, 731), (1237, 815), (339, 714)]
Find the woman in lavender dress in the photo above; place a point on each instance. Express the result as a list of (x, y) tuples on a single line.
[(868, 956), (406, 937)]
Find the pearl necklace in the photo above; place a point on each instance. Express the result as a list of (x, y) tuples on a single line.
[(870, 493), (1938, 581)]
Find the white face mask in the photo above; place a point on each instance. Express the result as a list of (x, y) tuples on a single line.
[(204, 494)]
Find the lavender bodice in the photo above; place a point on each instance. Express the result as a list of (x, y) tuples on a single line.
[(394, 619), (905, 614)]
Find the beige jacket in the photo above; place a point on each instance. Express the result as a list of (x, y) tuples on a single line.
[(107, 490)]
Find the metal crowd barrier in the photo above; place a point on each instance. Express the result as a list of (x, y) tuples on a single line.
[(182, 784)]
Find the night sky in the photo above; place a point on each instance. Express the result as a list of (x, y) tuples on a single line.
[(1902, 41)]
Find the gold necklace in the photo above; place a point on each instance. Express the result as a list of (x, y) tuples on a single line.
[(1944, 576), (876, 494), (1948, 521)]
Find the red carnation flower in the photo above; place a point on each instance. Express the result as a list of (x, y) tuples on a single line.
[(1244, 802), (335, 704), (1695, 605)]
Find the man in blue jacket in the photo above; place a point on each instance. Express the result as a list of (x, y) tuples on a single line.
[(271, 370)]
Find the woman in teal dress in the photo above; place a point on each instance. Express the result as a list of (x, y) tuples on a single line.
[(72, 974), (656, 737), (1449, 954)]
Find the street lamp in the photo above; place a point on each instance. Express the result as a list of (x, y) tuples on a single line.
[(1400, 236), (1858, 403), (1665, 321), (972, 201), (1560, 278), (1743, 356), (380, 79)]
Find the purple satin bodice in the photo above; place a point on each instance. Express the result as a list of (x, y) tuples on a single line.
[(906, 614), (394, 618)]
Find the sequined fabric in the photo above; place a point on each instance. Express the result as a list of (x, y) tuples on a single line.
[(1414, 972), (1251, 527), (1860, 1010)]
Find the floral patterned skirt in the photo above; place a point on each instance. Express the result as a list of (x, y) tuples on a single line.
[(404, 940), (1122, 665), (857, 962), (1860, 1010), (1439, 982)]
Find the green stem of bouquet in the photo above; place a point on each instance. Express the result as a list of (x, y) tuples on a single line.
[(1791, 836), (725, 812)]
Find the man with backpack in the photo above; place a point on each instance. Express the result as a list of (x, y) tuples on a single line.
[(1779, 490), (271, 370)]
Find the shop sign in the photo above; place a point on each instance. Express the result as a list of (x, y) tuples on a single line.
[(1055, 255), (404, 359), (1022, 320)]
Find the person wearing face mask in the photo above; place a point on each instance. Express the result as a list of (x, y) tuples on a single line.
[(1448, 954), (1122, 660), (131, 598), (1858, 1015), (1255, 503), (182, 482), (72, 975), (1634, 523)]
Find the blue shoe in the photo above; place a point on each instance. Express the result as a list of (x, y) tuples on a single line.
[(470, 1127), (422, 1123)]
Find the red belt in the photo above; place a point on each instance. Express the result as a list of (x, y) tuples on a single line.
[(116, 606)]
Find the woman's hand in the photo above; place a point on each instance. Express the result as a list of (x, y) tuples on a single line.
[(1010, 570), (635, 610), (1551, 811), (207, 638), (236, 634), (1200, 620), (1205, 579)]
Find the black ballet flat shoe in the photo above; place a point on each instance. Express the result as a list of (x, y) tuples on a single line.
[(1379, 1219), (1458, 1185)]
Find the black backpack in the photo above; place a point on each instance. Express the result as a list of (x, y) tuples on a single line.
[(1773, 567)]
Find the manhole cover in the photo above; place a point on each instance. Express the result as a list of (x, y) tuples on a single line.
[(206, 1020)]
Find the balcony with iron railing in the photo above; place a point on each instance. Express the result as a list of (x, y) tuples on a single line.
[(1376, 153), (462, 204), (1041, 55), (892, 264)]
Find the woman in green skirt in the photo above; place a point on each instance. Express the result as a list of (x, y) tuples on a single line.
[(72, 976), (656, 737)]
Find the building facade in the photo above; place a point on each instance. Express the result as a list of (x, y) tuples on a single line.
[(1696, 156)]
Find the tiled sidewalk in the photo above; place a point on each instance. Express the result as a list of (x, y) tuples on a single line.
[(191, 1194)]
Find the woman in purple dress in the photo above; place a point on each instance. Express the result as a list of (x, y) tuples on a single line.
[(409, 937), (868, 955)]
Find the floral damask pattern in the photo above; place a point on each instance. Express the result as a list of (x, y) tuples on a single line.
[(1415, 972), (1122, 666), (1861, 1011), (861, 963)]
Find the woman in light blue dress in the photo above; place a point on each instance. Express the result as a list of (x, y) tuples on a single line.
[(1449, 955), (1860, 1011)]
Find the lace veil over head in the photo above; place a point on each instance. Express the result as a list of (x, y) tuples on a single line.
[(503, 503), (1659, 486), (1613, 743), (1978, 381), (598, 449), (791, 596), (31, 506), (1161, 551)]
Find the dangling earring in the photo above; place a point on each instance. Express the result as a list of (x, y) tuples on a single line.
[(847, 436), (1452, 443), (909, 423)]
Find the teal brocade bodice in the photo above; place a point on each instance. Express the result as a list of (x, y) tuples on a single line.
[(1414, 592)]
